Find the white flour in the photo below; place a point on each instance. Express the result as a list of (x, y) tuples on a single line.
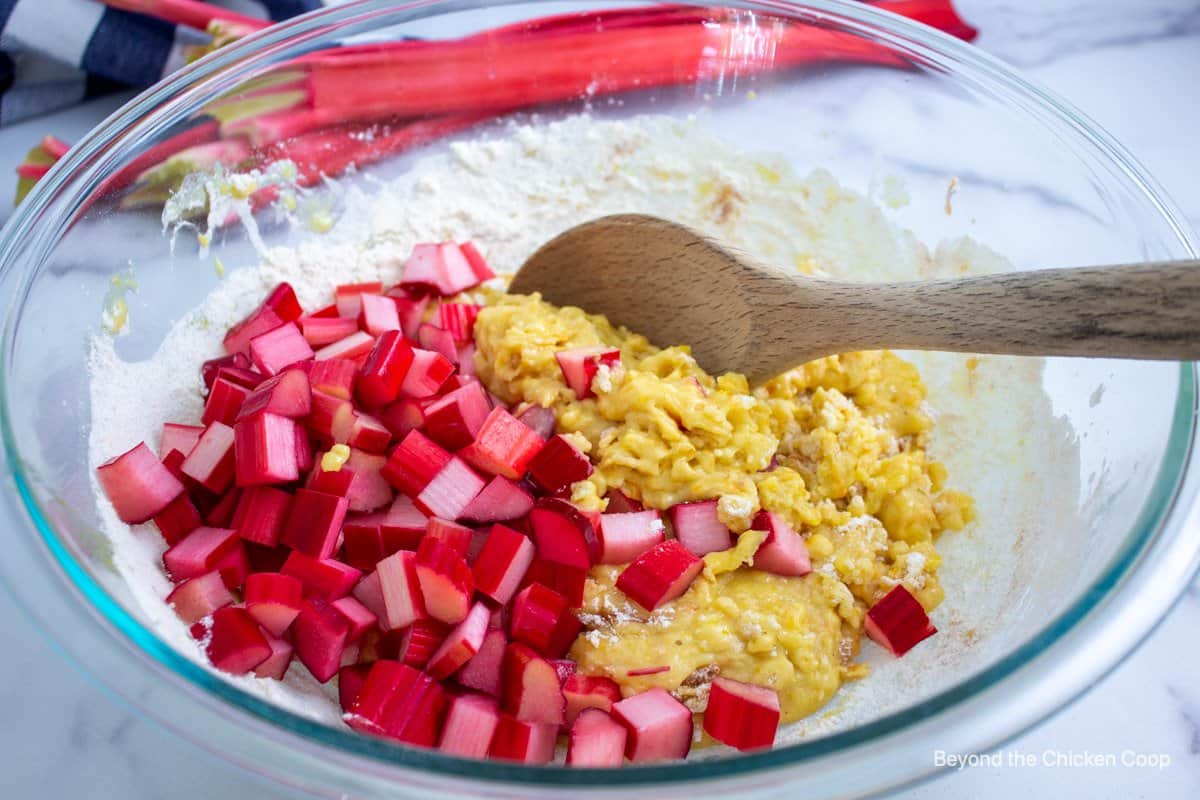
[(511, 193)]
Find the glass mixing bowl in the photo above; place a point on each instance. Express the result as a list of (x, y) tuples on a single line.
[(1036, 180)]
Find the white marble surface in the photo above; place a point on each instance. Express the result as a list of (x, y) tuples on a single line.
[(1134, 66)]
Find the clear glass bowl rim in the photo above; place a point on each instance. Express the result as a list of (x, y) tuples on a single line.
[(32, 233)]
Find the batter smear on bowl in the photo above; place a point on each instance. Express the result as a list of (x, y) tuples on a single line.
[(486, 522)]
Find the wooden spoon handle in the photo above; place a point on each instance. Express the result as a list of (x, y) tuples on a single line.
[(1149, 311)]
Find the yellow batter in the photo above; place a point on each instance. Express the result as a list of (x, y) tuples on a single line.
[(836, 446)]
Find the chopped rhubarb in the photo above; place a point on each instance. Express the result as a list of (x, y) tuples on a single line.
[(531, 691), (558, 465), (400, 702), (898, 622), (589, 691), (411, 310), (625, 536), (500, 501), (457, 537), (235, 644), (524, 742), (503, 445), (210, 368), (659, 575), (478, 264), (570, 582), (199, 552), (282, 300), (246, 377), (319, 635), (331, 419), (304, 449), (437, 340), (458, 319), (541, 619), (369, 434), (581, 365), (461, 644), (287, 394), (385, 371), (368, 489), (265, 450), (234, 567), (402, 416), (314, 522), (596, 740), (137, 484), (483, 671), (224, 402), (210, 463), (420, 641), (471, 721), (455, 419), (369, 592), (348, 297), (401, 588), (261, 513), (621, 503), (350, 683), (426, 374), (446, 581), (450, 491), (274, 600), (334, 377), (402, 527), (378, 314), (326, 578), (698, 529), (659, 727), (360, 618), (783, 551), (198, 597), (276, 665), (741, 715), (178, 519), (278, 349), (414, 463), (220, 515), (443, 267), (563, 534), (263, 320), (352, 347), (178, 437), (330, 481), (322, 331), (539, 419), (502, 563)]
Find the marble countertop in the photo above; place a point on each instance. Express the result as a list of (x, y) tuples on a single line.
[(1130, 64)]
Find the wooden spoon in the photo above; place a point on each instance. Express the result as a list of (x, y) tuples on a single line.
[(676, 286)]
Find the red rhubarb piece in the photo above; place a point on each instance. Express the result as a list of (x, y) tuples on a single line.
[(261, 514), (369, 592), (276, 665), (246, 377), (589, 691), (263, 320), (570, 582), (524, 742), (484, 671), (659, 727), (274, 600), (446, 581), (500, 501), (450, 491), (348, 297), (659, 575), (354, 346), (625, 536), (898, 622), (783, 552), (426, 374), (414, 463), (178, 519), (350, 683), (563, 534), (362, 543), (502, 563), (558, 465), (503, 445), (137, 484), (314, 522), (531, 691), (455, 419), (378, 314), (326, 578), (621, 503), (331, 418), (461, 644), (209, 369), (178, 437), (458, 319), (471, 721), (282, 300), (199, 552), (420, 641), (288, 394), (368, 489), (304, 449), (437, 340), (234, 567), (596, 740), (368, 434), (198, 597), (224, 402), (265, 450), (403, 600), (443, 267), (278, 349), (741, 715), (402, 527), (334, 377), (220, 515), (322, 331), (541, 619), (385, 371), (456, 537), (398, 701), (411, 310), (235, 644), (211, 462), (698, 529), (539, 419), (360, 618), (478, 264), (580, 366), (319, 635), (402, 416)]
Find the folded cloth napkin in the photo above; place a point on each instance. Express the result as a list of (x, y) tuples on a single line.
[(55, 53)]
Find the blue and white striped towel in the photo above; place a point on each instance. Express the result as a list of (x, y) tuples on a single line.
[(55, 53)]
